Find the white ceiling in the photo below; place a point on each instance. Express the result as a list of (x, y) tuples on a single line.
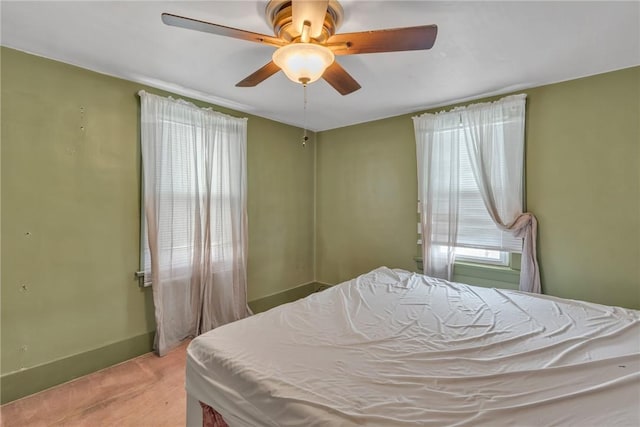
[(483, 48)]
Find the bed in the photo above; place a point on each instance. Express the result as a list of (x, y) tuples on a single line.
[(395, 348)]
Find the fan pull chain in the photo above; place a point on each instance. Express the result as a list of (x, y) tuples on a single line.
[(305, 138)]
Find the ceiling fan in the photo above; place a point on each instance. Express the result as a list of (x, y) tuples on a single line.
[(307, 41)]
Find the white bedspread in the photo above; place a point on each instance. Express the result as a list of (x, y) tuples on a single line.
[(393, 348)]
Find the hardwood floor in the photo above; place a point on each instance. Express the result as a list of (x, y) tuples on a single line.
[(145, 391)]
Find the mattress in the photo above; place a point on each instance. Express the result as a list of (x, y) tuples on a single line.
[(394, 348)]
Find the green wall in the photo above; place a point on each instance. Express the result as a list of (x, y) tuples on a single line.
[(70, 219), (367, 199), (583, 184)]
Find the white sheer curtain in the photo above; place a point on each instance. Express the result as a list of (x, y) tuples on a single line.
[(194, 170), (438, 144), (492, 137)]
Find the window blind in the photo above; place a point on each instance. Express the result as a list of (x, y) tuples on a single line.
[(476, 229), (181, 190)]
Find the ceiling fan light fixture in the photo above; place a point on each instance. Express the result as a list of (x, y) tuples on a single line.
[(303, 62)]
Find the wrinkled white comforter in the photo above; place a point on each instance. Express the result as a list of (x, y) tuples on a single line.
[(394, 348)]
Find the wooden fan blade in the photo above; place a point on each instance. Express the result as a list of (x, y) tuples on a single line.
[(221, 30), (259, 76), (391, 40), (313, 11), (341, 81)]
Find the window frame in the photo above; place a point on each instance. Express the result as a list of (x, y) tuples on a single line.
[(146, 278), (503, 261)]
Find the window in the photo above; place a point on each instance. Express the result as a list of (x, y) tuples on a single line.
[(483, 256), (470, 176), (183, 190), (467, 158), (479, 239)]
